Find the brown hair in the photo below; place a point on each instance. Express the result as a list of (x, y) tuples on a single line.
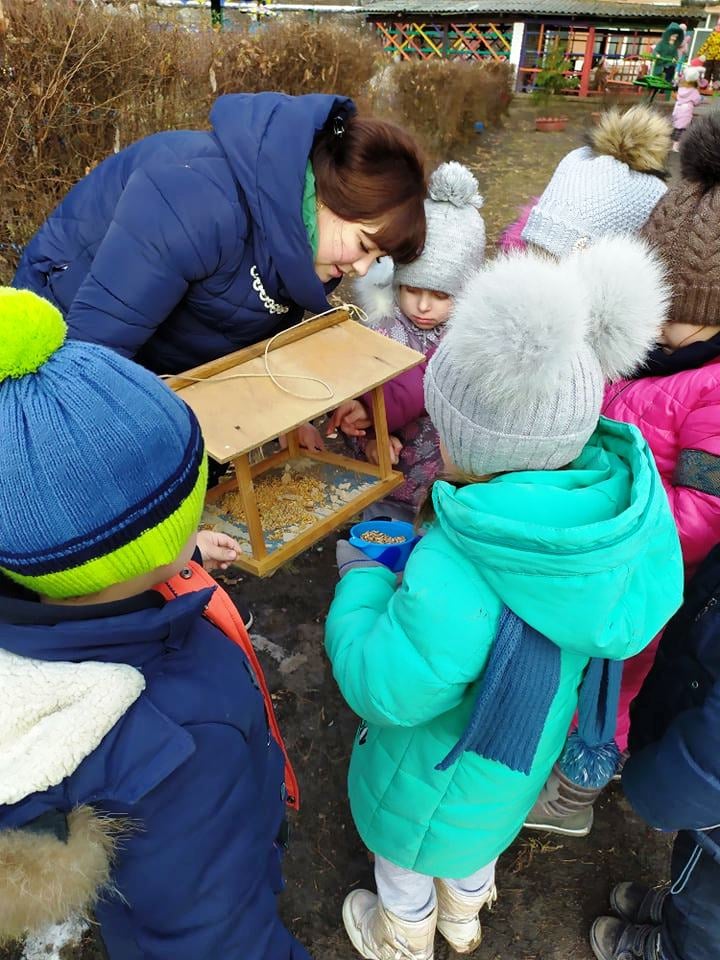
[(426, 513), (369, 170)]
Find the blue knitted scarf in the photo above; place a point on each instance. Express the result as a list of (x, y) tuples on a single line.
[(516, 691)]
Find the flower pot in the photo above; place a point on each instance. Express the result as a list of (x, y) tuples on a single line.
[(550, 124)]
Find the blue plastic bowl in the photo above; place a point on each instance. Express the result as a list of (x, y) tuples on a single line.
[(479, 126), (393, 555)]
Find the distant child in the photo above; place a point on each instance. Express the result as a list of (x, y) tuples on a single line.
[(141, 771), (709, 52), (674, 399), (412, 306), (606, 188), (672, 780), (550, 544), (687, 99)]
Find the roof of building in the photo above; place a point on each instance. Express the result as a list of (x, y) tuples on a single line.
[(605, 9)]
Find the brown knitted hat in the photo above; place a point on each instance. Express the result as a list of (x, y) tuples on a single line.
[(684, 228)]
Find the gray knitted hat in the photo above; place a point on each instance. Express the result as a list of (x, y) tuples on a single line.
[(517, 383), (591, 196), (455, 239)]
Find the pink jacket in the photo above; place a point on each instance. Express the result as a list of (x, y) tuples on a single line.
[(679, 416), (687, 99), (420, 457)]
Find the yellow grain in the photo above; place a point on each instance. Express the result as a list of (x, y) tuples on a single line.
[(375, 536), (283, 501)]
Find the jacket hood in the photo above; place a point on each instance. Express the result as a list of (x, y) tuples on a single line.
[(588, 555), (268, 138), (69, 674)]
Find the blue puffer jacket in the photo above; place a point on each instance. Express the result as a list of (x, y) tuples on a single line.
[(193, 766), (673, 775), (189, 244)]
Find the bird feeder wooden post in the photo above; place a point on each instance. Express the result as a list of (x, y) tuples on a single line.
[(241, 409)]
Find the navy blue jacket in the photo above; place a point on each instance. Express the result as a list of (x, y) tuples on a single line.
[(673, 775), (188, 245), (191, 761)]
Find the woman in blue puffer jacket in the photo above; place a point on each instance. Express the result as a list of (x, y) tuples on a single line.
[(190, 244)]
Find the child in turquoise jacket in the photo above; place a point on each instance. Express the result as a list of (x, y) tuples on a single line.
[(551, 543)]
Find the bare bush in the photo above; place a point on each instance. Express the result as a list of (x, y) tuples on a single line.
[(441, 100), (78, 83)]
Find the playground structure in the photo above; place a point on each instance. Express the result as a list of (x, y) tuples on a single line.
[(610, 46)]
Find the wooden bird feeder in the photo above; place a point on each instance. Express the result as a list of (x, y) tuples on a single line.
[(241, 409)]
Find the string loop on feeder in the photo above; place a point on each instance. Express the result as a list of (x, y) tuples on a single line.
[(357, 313)]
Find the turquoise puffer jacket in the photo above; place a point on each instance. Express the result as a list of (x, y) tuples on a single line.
[(589, 556)]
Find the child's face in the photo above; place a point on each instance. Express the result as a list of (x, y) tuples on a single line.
[(676, 335), (427, 309)]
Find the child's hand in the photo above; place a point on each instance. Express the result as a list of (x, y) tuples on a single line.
[(371, 451), (309, 438), (351, 417), (217, 549), (350, 558)]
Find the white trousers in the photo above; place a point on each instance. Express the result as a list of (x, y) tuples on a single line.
[(411, 896)]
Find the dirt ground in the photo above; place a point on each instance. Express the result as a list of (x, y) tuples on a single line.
[(550, 889)]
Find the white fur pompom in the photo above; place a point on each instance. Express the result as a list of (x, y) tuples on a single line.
[(453, 183), (374, 292), (518, 325), (629, 297)]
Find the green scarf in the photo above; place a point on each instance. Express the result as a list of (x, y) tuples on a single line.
[(309, 209)]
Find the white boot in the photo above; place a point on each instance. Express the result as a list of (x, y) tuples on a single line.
[(458, 919), (378, 934)]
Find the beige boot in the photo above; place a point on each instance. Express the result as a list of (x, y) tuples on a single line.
[(458, 919), (378, 934), (563, 807)]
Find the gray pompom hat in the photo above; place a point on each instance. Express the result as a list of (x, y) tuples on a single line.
[(455, 240), (518, 380), (590, 196)]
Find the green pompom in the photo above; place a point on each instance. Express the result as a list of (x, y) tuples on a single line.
[(31, 330)]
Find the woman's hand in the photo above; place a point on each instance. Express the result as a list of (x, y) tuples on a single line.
[(371, 451), (218, 549), (351, 417)]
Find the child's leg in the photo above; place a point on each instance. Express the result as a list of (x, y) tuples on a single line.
[(459, 906), (399, 921), (689, 928), (712, 70), (477, 883), (406, 894), (691, 916), (411, 895)]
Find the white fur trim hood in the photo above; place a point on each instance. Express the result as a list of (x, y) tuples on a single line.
[(375, 293), (53, 715)]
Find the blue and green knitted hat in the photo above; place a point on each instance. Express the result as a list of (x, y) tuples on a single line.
[(102, 467)]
